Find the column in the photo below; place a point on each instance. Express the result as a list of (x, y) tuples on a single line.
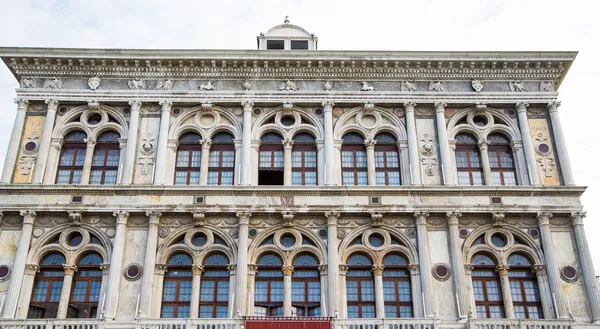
[(105, 267), (542, 280), (332, 262), (551, 263), (149, 262), (458, 268), (287, 161), (328, 126), (241, 286), (65, 292), (116, 262), (561, 145), (485, 163), (132, 133), (534, 178), (195, 304), (15, 141), (509, 310), (246, 170), (447, 168), (472, 311), (379, 301), (18, 268), (159, 277), (343, 302), (40, 166), (287, 270), (371, 172), (424, 262), (230, 304), (204, 161), (163, 140), (324, 309), (587, 266), (87, 163), (252, 269), (413, 147), (28, 279), (415, 288)]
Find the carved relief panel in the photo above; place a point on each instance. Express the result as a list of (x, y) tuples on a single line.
[(29, 148), (546, 164)]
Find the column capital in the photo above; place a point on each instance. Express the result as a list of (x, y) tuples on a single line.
[(328, 105), (135, 104), (122, 217), (105, 267), (409, 106), (498, 218), (578, 217), (70, 269), (197, 269), (343, 269), (370, 143), (166, 105), (440, 107), (22, 103), (521, 106), (453, 217), (332, 217), (502, 269), (247, 105), (421, 217), (376, 219), (244, 216), (52, 104), (544, 217), (323, 269), (539, 269), (90, 142), (232, 268), (206, 143), (160, 269), (31, 269), (483, 145), (28, 216), (199, 218), (377, 270), (75, 216), (153, 217), (413, 269), (287, 143), (553, 106), (468, 269), (287, 270)]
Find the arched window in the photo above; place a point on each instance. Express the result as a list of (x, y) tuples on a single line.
[(468, 160), (387, 162), (221, 162), (397, 294), (306, 286), (486, 287), (85, 291), (105, 162), (268, 287), (501, 160), (304, 160), (524, 288), (354, 160), (214, 287), (72, 158), (47, 287), (177, 287), (360, 289), (270, 171), (189, 153)]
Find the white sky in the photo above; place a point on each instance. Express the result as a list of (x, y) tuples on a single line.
[(510, 25)]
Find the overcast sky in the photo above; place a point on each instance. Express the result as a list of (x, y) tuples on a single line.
[(511, 25)]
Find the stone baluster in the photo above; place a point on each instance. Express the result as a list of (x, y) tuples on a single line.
[(332, 261), (371, 171), (458, 268), (561, 145), (15, 141), (415, 278), (65, 292), (18, 268), (196, 282), (379, 300), (509, 310), (163, 141), (132, 140), (246, 167), (149, 262), (545, 298), (241, 286), (116, 262), (448, 168), (527, 144), (328, 126), (87, 163), (551, 263), (485, 163), (287, 161), (413, 147), (287, 270), (204, 161), (587, 266), (44, 149), (424, 262), (343, 302)]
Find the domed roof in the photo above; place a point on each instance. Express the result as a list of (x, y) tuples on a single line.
[(287, 36), (287, 30)]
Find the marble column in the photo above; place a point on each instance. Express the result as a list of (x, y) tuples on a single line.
[(196, 282), (65, 292), (252, 269), (204, 161), (371, 171), (26, 289), (587, 266), (287, 270), (379, 300), (42, 160), (246, 166), (551, 263), (332, 262), (343, 301), (163, 140), (447, 168), (545, 298), (472, 311), (105, 267), (415, 287), (324, 301), (458, 269), (87, 163), (132, 141), (159, 278), (424, 262), (509, 310), (328, 127), (534, 178), (241, 286), (413, 147), (485, 163), (15, 141), (231, 303), (561, 145), (18, 268), (287, 161), (149, 263), (116, 262)]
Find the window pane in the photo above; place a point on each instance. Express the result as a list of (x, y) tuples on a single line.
[(77, 176), (183, 158), (507, 160), (260, 291), (380, 177), (461, 159), (214, 159), (40, 290), (477, 178), (213, 177), (368, 311), (63, 176), (297, 159), (496, 180), (351, 291), (361, 159), (310, 159), (98, 158), (228, 159), (298, 292), (348, 178), (207, 291), (493, 291), (393, 178), (362, 178), (475, 159), (196, 155), (352, 311), (515, 291), (367, 291), (113, 158), (206, 311), (227, 178), (223, 291), (464, 178), (66, 158), (389, 291), (265, 159), (277, 291), (194, 178), (493, 160), (79, 291), (296, 178), (347, 159), (310, 178), (278, 159), (531, 291), (181, 178), (391, 311), (509, 178), (392, 159), (110, 177), (169, 290), (314, 291), (167, 311), (379, 159)]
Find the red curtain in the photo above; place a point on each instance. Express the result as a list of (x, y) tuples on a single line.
[(288, 323)]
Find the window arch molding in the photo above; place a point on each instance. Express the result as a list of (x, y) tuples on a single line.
[(65, 123), (313, 125), (397, 127), (178, 126), (510, 128), (257, 246), (408, 248)]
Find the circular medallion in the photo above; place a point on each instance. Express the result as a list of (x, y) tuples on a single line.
[(318, 111), (257, 111), (252, 232), (569, 273), (234, 232), (163, 232), (448, 112), (534, 233), (410, 232), (37, 232), (176, 111), (440, 272), (62, 110), (341, 233), (337, 112), (399, 113), (463, 232), (133, 272), (510, 112), (4, 272), (323, 233)]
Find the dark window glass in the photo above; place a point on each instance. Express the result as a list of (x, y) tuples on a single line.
[(85, 289), (270, 171), (486, 287), (501, 160), (221, 162), (275, 44), (72, 158), (47, 287), (177, 287), (360, 289), (397, 290), (304, 160), (187, 166), (354, 160), (306, 286), (299, 44)]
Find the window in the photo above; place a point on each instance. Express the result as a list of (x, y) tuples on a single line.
[(270, 171), (221, 162), (304, 160), (299, 44), (268, 286), (397, 292), (189, 152), (387, 162), (501, 160), (360, 289), (486, 287), (105, 162), (47, 287), (214, 287), (354, 160), (177, 287), (85, 292), (275, 44), (468, 160), (72, 158), (524, 288), (306, 286)]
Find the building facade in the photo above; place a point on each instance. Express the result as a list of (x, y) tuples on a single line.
[(155, 188)]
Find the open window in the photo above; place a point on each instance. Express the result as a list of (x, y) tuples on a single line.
[(270, 171)]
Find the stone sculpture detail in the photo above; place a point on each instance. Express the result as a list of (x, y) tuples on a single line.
[(517, 86), (408, 86), (477, 85), (436, 86), (164, 84), (137, 84), (53, 83), (208, 86), (287, 85)]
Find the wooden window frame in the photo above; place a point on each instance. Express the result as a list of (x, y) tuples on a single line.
[(304, 147), (270, 305), (78, 147), (470, 169), (307, 305), (189, 148), (530, 277), (86, 304), (105, 146), (494, 150), (47, 305), (221, 147), (177, 303), (272, 148), (353, 147), (496, 278), (397, 303), (360, 302), (385, 148), (216, 279)]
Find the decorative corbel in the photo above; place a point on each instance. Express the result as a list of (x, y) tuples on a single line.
[(376, 219), (288, 218), (199, 218), (75, 217)]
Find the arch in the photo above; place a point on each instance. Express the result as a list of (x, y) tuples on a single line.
[(511, 128), (407, 247), (64, 123), (177, 127), (257, 246), (259, 126), (396, 128)]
